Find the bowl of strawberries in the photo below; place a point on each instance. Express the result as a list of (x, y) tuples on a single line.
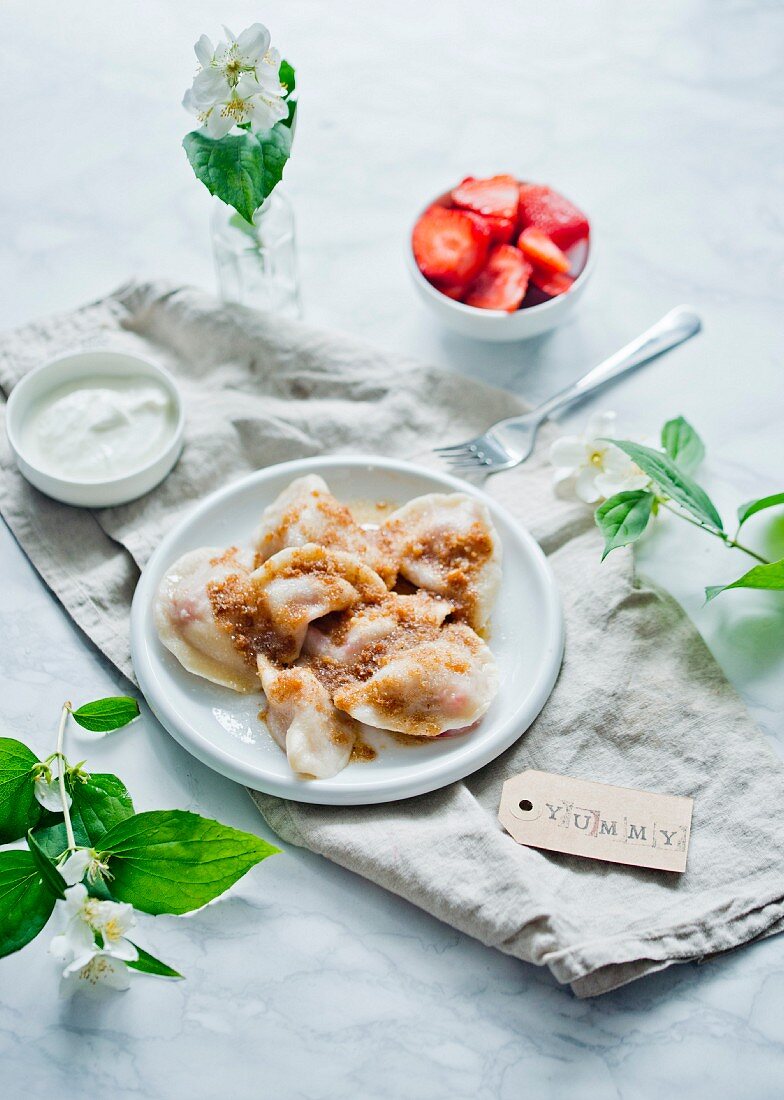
[(499, 258)]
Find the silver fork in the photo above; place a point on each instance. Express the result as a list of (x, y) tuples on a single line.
[(511, 441)]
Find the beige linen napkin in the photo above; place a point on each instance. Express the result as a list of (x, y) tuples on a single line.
[(639, 701)]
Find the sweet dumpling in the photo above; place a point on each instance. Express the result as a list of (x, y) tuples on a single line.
[(186, 623), (307, 512), (270, 610), (444, 684), (317, 738), (446, 543), (355, 642)]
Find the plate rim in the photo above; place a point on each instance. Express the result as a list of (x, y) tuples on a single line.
[(435, 774)]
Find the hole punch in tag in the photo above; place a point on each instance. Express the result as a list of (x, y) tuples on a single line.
[(597, 821)]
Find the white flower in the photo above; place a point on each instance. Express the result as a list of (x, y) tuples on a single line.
[(239, 82), (84, 860), (76, 946), (99, 967), (244, 102), (47, 789), (597, 468)]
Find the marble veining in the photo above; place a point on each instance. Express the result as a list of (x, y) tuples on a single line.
[(664, 121)]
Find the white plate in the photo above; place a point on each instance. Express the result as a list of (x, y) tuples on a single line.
[(222, 728)]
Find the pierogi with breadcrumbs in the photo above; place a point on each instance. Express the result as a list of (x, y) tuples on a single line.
[(345, 628)]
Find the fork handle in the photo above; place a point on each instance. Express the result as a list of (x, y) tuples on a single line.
[(677, 326)]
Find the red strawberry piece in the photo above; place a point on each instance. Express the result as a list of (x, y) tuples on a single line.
[(453, 292), (544, 208), (551, 283), (496, 197), (541, 250), (448, 247), (501, 230), (503, 282)]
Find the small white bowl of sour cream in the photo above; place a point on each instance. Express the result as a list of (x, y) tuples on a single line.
[(96, 428)]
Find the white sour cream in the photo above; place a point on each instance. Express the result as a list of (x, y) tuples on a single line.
[(99, 428)]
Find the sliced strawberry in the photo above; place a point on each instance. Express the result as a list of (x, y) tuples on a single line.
[(448, 247), (496, 197), (501, 230), (551, 283), (544, 208), (541, 250), (454, 292), (502, 283)]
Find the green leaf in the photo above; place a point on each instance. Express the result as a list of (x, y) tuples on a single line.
[(173, 861), (751, 507), (19, 810), (148, 964), (289, 120), (98, 804), (25, 903), (53, 840), (769, 577), (286, 76), (674, 482), (623, 518), (682, 444), (241, 169), (107, 714), (52, 879)]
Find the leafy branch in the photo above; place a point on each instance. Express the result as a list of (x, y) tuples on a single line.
[(242, 169), (92, 855), (624, 517)]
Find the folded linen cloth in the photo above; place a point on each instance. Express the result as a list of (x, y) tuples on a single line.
[(639, 702)]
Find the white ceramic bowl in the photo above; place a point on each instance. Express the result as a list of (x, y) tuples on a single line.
[(223, 729), (70, 368), (497, 325)]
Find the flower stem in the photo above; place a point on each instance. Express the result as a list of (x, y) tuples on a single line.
[(61, 777), (725, 538)]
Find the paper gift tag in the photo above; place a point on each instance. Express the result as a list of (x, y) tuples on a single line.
[(581, 818)]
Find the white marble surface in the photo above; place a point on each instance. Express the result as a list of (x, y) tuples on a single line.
[(665, 121)]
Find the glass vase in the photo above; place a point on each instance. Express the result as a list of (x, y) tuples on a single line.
[(256, 265)]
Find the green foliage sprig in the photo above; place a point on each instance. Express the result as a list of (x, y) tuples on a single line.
[(624, 517), (91, 853)]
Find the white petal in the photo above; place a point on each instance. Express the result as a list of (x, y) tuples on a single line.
[(123, 949), (247, 86), (210, 87), (218, 124), (585, 486), (79, 938), (117, 913), (269, 82), (190, 104), (47, 792), (601, 425), (75, 897), (204, 51), (74, 868), (60, 948), (79, 963), (616, 461), (115, 974), (254, 42), (610, 484), (230, 38), (266, 112), (568, 451)]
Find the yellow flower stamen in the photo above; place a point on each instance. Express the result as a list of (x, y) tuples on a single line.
[(236, 108), (94, 969), (111, 931)]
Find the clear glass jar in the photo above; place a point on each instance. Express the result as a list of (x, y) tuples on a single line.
[(256, 265)]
